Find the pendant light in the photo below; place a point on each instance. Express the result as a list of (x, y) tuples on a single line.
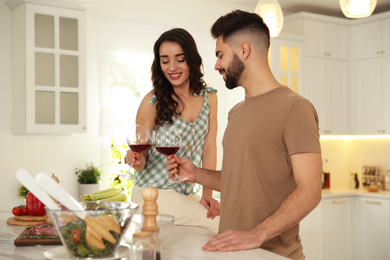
[(357, 8), (272, 14)]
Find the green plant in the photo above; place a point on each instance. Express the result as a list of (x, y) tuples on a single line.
[(22, 192), (118, 152), (90, 174)]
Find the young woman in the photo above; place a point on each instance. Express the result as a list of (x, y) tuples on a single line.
[(180, 98)]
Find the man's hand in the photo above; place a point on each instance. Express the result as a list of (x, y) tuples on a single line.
[(182, 167), (212, 205), (232, 240)]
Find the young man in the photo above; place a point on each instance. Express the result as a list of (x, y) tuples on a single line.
[(271, 170)]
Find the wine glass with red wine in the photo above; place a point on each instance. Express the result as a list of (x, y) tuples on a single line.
[(167, 141), (139, 140)]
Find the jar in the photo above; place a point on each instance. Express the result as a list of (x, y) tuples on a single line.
[(154, 230), (142, 247), (386, 181)]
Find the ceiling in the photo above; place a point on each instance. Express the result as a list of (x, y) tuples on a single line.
[(326, 7)]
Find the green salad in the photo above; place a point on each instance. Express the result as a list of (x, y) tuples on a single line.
[(74, 235)]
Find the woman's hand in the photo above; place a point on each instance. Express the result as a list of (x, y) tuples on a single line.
[(138, 159), (212, 205)]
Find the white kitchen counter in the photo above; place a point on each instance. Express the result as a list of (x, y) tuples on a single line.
[(185, 242), (334, 193)]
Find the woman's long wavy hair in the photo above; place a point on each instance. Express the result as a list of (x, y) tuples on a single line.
[(166, 106)]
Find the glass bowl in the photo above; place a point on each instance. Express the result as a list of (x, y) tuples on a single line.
[(164, 222), (72, 230)]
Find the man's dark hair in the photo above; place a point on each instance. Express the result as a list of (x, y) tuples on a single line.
[(237, 22)]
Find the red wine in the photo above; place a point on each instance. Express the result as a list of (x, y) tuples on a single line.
[(168, 150), (138, 148)]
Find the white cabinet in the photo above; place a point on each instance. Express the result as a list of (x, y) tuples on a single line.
[(374, 228), (371, 79), (326, 39), (328, 231), (286, 60), (311, 233), (49, 68), (326, 67), (371, 95), (324, 36), (371, 39), (326, 86), (338, 224)]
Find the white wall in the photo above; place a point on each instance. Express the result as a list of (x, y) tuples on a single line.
[(61, 154)]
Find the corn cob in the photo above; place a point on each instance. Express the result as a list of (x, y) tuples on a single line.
[(110, 192), (119, 197)]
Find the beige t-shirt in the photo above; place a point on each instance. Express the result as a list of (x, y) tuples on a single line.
[(261, 134)]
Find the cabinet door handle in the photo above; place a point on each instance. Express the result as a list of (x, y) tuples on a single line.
[(339, 201), (373, 202)]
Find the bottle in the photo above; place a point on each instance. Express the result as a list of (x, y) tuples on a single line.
[(352, 182), (323, 180), (356, 181), (326, 180)]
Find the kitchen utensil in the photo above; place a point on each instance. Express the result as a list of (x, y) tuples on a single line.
[(97, 228), (25, 178)]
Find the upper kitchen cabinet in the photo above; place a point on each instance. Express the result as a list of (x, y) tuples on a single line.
[(371, 80), (326, 86), (371, 95), (48, 67), (286, 60), (371, 37), (324, 36), (325, 67)]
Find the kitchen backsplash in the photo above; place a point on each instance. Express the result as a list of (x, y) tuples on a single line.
[(341, 157)]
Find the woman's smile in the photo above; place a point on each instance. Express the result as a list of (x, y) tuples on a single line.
[(174, 76)]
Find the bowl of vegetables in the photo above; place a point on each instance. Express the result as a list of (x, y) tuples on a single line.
[(98, 233)]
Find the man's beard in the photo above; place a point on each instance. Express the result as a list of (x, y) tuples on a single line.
[(234, 72)]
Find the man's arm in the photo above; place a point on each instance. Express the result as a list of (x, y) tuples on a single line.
[(307, 168)]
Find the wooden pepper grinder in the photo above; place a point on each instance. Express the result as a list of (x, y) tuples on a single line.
[(150, 210)]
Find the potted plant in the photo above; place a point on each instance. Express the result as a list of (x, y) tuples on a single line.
[(88, 179)]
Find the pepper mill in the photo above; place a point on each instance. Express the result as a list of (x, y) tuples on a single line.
[(150, 210)]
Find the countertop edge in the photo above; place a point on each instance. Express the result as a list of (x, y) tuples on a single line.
[(334, 193)]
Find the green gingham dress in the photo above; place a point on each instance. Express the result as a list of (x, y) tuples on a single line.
[(193, 136)]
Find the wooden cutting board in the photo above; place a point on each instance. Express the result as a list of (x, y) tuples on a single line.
[(27, 220), (30, 241)]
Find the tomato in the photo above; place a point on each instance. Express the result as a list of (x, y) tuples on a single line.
[(34, 205), (24, 211), (76, 238), (16, 211), (76, 235)]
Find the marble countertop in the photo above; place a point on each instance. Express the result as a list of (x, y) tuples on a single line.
[(185, 242), (362, 192)]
